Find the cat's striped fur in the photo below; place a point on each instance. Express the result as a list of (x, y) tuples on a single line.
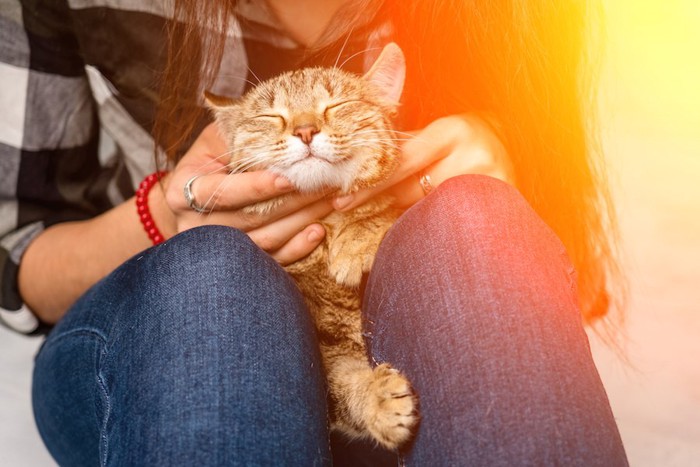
[(326, 129)]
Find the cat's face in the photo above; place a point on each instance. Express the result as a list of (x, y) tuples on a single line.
[(322, 128)]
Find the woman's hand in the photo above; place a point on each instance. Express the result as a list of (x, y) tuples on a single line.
[(287, 233), (449, 146)]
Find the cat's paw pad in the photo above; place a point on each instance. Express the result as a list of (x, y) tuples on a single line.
[(392, 416)]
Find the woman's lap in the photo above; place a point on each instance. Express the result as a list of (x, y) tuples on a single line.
[(471, 296), (198, 352)]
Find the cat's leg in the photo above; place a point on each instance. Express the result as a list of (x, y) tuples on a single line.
[(371, 403), (379, 402), (354, 244)]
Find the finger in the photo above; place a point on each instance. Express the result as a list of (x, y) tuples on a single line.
[(429, 146), (247, 220), (289, 205), (273, 236), (409, 191), (225, 191), (406, 189), (300, 245)]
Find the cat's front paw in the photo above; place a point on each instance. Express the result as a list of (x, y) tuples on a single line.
[(392, 411), (347, 267)]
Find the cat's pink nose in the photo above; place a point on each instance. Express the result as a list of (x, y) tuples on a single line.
[(305, 132)]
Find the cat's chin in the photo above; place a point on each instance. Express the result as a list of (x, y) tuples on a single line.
[(314, 175)]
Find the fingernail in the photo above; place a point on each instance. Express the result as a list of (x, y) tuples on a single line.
[(315, 235), (343, 201), (283, 184)]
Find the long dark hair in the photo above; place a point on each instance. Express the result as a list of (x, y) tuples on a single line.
[(523, 65)]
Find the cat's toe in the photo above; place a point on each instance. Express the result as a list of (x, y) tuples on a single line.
[(347, 271), (394, 414)]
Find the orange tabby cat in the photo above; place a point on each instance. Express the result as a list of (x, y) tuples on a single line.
[(323, 128)]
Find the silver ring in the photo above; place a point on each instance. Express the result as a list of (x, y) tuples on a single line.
[(189, 196), (426, 184)]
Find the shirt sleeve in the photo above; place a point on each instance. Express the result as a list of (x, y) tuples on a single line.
[(48, 138)]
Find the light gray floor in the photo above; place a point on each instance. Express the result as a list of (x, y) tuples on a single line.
[(19, 441), (651, 104)]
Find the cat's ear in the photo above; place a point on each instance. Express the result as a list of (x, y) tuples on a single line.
[(215, 102), (221, 107), (389, 73)]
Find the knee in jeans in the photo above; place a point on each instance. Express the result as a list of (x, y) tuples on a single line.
[(472, 216), (474, 199), (208, 247), (461, 205), (208, 254), (201, 268)]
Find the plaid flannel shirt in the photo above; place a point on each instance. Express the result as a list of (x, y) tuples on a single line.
[(78, 90)]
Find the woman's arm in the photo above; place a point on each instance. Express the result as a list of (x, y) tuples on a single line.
[(449, 146), (66, 259), (48, 139)]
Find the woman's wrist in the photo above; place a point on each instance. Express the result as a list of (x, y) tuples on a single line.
[(143, 209), (160, 213), (66, 259)]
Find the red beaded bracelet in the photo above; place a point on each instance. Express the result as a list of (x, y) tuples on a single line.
[(142, 207)]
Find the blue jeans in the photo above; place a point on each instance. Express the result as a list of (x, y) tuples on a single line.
[(200, 351)]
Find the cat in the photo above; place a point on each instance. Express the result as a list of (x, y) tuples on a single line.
[(327, 129)]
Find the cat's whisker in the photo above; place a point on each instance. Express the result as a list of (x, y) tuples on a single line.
[(250, 155), (264, 144), (342, 49), (380, 139), (422, 140), (221, 168), (216, 159), (371, 136), (243, 159), (247, 147), (249, 82), (356, 54), (245, 164), (211, 202), (240, 168), (254, 75), (202, 173), (237, 77), (364, 142), (242, 165), (368, 143), (411, 135)]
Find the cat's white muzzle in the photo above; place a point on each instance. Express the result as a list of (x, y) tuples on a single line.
[(316, 166)]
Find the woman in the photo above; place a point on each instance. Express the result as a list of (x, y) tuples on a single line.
[(199, 351)]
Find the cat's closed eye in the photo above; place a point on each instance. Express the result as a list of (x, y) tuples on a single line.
[(341, 103), (345, 106), (275, 119)]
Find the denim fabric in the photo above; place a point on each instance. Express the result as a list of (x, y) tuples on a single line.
[(473, 297), (200, 351), (196, 352)]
